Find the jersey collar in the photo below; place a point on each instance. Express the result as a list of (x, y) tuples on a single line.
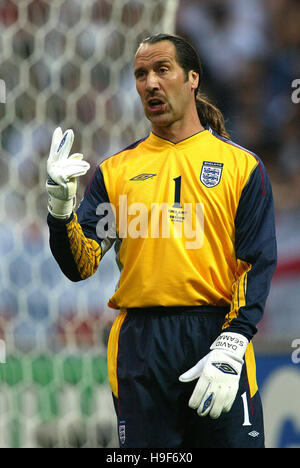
[(155, 139)]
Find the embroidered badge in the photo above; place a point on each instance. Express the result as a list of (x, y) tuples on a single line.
[(122, 432), (211, 173)]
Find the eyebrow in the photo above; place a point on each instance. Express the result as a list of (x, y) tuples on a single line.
[(156, 64)]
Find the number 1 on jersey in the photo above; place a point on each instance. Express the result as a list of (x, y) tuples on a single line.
[(177, 192)]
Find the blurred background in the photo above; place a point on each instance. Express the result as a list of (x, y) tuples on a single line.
[(69, 63)]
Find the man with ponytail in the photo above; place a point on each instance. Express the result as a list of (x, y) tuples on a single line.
[(195, 263)]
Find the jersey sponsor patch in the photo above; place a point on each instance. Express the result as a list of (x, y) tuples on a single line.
[(211, 173)]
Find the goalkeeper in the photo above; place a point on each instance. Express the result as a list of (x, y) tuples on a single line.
[(180, 357)]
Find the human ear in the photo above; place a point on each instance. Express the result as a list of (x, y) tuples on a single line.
[(194, 80)]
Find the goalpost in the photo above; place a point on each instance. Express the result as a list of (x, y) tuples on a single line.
[(66, 63)]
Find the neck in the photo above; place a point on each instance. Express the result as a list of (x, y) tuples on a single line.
[(179, 130)]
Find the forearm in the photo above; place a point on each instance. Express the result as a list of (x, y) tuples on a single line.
[(256, 255), (249, 293), (77, 255)]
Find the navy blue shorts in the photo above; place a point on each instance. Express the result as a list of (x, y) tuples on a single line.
[(148, 350)]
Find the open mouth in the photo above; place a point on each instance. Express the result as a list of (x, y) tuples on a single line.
[(156, 105)]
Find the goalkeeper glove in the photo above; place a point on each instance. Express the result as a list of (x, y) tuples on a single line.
[(218, 375), (63, 171)]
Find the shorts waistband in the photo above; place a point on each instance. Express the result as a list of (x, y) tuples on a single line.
[(179, 310)]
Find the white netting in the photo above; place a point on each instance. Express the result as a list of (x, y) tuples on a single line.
[(67, 63)]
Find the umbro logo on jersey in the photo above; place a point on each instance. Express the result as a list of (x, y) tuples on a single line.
[(143, 176), (225, 367), (211, 173)]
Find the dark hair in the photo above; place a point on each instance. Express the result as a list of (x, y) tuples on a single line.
[(188, 59)]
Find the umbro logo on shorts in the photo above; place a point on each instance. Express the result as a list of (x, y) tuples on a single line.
[(225, 367), (122, 432), (143, 176), (253, 434)]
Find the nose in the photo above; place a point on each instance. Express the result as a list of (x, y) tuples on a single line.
[(152, 81)]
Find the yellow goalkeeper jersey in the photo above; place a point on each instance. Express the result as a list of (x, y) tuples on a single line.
[(192, 224)]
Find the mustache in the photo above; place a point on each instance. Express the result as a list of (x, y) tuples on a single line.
[(154, 95)]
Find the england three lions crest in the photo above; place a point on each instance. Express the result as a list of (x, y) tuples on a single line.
[(211, 173)]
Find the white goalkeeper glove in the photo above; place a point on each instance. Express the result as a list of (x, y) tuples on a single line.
[(63, 171), (218, 375)]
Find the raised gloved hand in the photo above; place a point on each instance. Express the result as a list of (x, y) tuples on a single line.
[(218, 375), (63, 171)]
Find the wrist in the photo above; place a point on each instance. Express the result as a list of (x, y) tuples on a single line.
[(60, 209), (233, 343)]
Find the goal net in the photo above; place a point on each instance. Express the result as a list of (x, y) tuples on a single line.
[(66, 63)]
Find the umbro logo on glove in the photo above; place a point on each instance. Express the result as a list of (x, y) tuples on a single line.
[(225, 367), (218, 375)]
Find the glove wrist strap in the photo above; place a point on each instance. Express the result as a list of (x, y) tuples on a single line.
[(231, 343), (61, 209)]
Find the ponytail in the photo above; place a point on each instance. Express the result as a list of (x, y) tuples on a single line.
[(211, 115)]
